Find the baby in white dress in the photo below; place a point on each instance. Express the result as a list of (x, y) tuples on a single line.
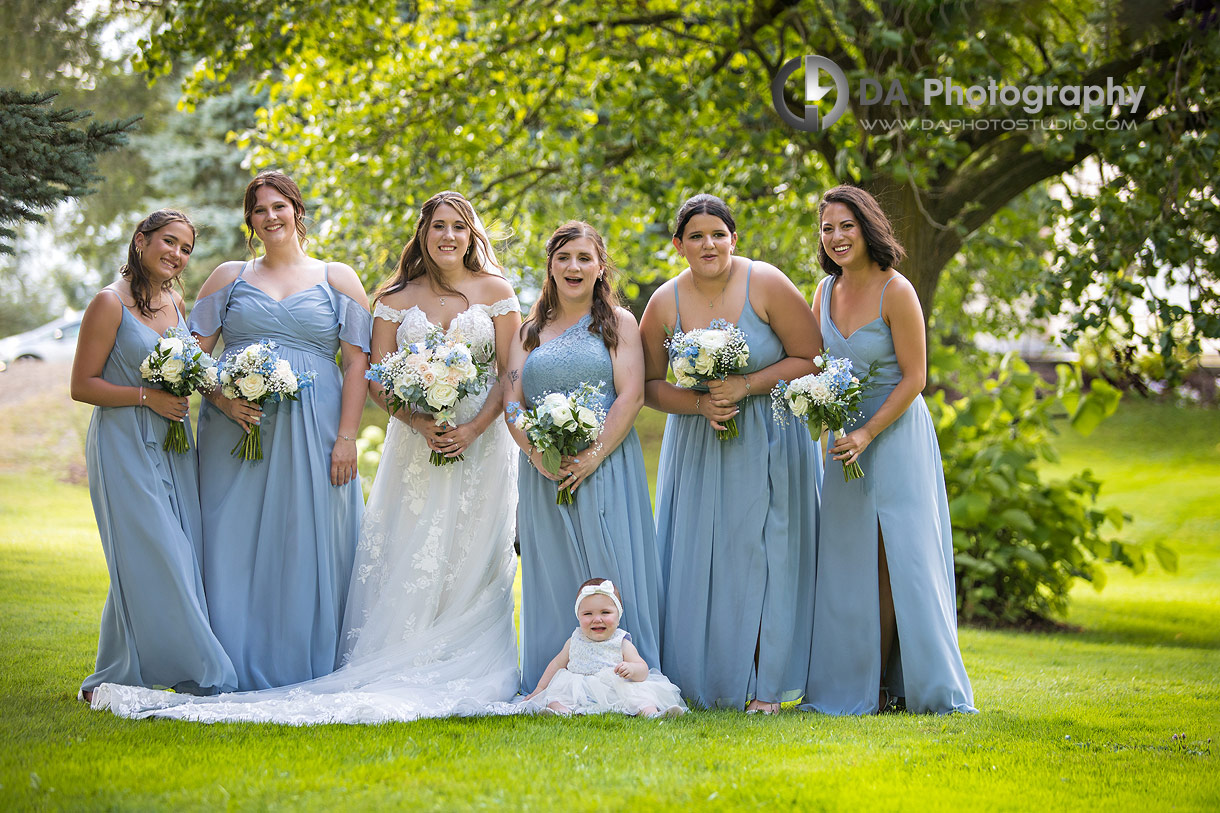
[(599, 670)]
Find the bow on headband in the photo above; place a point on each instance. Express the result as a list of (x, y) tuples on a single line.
[(606, 588)]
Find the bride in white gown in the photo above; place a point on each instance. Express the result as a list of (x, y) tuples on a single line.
[(430, 609)]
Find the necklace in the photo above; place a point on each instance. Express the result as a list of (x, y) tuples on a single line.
[(711, 302)]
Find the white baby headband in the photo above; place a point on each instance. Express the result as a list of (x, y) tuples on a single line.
[(606, 588)]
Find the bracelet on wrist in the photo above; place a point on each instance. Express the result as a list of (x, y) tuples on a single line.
[(346, 437)]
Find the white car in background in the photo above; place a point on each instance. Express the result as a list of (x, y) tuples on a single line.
[(54, 341)]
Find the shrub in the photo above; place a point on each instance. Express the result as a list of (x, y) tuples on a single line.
[(1021, 541)]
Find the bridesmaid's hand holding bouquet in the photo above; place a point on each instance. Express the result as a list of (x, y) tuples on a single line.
[(830, 398), (561, 425), (258, 374), (180, 366), (700, 355)]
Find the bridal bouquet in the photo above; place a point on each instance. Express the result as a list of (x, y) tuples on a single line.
[(561, 425), (697, 356), (258, 374), (430, 376), (180, 366), (828, 398)]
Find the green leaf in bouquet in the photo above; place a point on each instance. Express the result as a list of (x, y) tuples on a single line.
[(551, 459)]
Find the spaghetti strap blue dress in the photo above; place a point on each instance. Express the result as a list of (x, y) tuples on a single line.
[(278, 539), (736, 527), (154, 629), (606, 532), (902, 493)]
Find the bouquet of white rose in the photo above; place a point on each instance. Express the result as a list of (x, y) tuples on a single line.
[(697, 356), (431, 376), (561, 425), (258, 374), (180, 366), (829, 398)]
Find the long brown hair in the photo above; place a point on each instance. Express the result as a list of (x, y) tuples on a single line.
[(138, 278), (285, 186), (883, 247), (605, 300), (415, 262)]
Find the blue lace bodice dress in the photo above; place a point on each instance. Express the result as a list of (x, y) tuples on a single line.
[(278, 538), (902, 492), (736, 525), (155, 629), (606, 532)]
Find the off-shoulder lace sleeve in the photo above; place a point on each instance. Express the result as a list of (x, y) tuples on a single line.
[(208, 314), (384, 311), (504, 306)]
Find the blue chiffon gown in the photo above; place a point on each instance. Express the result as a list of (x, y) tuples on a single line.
[(736, 526), (154, 629), (606, 532), (278, 539), (902, 492)]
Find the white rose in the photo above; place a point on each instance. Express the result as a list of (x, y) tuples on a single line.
[(287, 380), (425, 375), (442, 395), (705, 364), (554, 401), (800, 405), (686, 381), (563, 417), (145, 369), (250, 354), (742, 357), (228, 391), (226, 377), (252, 387), (209, 379), (819, 393), (586, 416), (173, 345), (171, 370), (713, 340)]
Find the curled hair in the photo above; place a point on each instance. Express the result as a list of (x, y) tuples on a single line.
[(415, 262), (883, 247), (703, 205), (596, 581), (285, 186), (138, 278), (605, 300)]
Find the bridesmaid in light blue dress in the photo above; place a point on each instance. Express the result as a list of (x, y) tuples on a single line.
[(736, 519), (279, 535), (885, 621), (154, 629), (576, 334)]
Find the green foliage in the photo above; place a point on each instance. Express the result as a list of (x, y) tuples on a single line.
[(615, 112), (1020, 541), (45, 157)]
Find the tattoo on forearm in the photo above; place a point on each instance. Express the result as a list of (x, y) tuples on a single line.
[(513, 375)]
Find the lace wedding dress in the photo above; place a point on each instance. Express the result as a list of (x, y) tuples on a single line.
[(430, 610)]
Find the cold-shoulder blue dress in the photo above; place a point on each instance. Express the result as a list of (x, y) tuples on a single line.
[(736, 526), (278, 538), (606, 532), (902, 492), (154, 629)]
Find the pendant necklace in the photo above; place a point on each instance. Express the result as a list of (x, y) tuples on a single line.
[(712, 302)]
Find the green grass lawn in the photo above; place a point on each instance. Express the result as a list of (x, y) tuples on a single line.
[(1119, 715)]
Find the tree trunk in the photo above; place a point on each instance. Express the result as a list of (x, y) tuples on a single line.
[(929, 245)]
